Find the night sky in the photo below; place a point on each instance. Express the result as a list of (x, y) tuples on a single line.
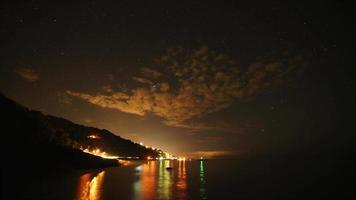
[(211, 78)]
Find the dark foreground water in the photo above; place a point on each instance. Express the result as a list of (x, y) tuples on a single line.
[(210, 179)]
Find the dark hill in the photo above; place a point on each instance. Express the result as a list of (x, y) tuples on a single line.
[(34, 145), (27, 128)]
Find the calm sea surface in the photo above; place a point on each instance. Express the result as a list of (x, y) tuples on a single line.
[(209, 179)]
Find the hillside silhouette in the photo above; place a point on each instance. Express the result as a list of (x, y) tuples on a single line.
[(34, 145)]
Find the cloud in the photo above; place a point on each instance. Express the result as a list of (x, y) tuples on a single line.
[(118, 100), (185, 85), (28, 74)]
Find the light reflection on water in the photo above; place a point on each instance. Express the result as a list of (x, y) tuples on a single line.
[(124, 162), (149, 180), (164, 189), (182, 182), (145, 185), (212, 179), (202, 188), (153, 183), (90, 186)]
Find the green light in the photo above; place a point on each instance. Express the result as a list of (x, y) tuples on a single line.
[(202, 189), (202, 167)]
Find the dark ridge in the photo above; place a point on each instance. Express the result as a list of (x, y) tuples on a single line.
[(34, 145), (27, 127)]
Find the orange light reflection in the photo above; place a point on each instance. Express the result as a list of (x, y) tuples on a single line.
[(148, 180), (124, 162), (90, 188), (181, 182), (164, 180)]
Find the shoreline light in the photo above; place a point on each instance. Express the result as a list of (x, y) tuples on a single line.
[(98, 152)]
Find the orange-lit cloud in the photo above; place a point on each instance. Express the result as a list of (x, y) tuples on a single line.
[(188, 84), (28, 74), (118, 100)]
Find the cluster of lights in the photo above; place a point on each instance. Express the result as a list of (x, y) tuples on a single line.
[(167, 158), (181, 159), (147, 147), (93, 137), (129, 157), (98, 152), (163, 155)]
